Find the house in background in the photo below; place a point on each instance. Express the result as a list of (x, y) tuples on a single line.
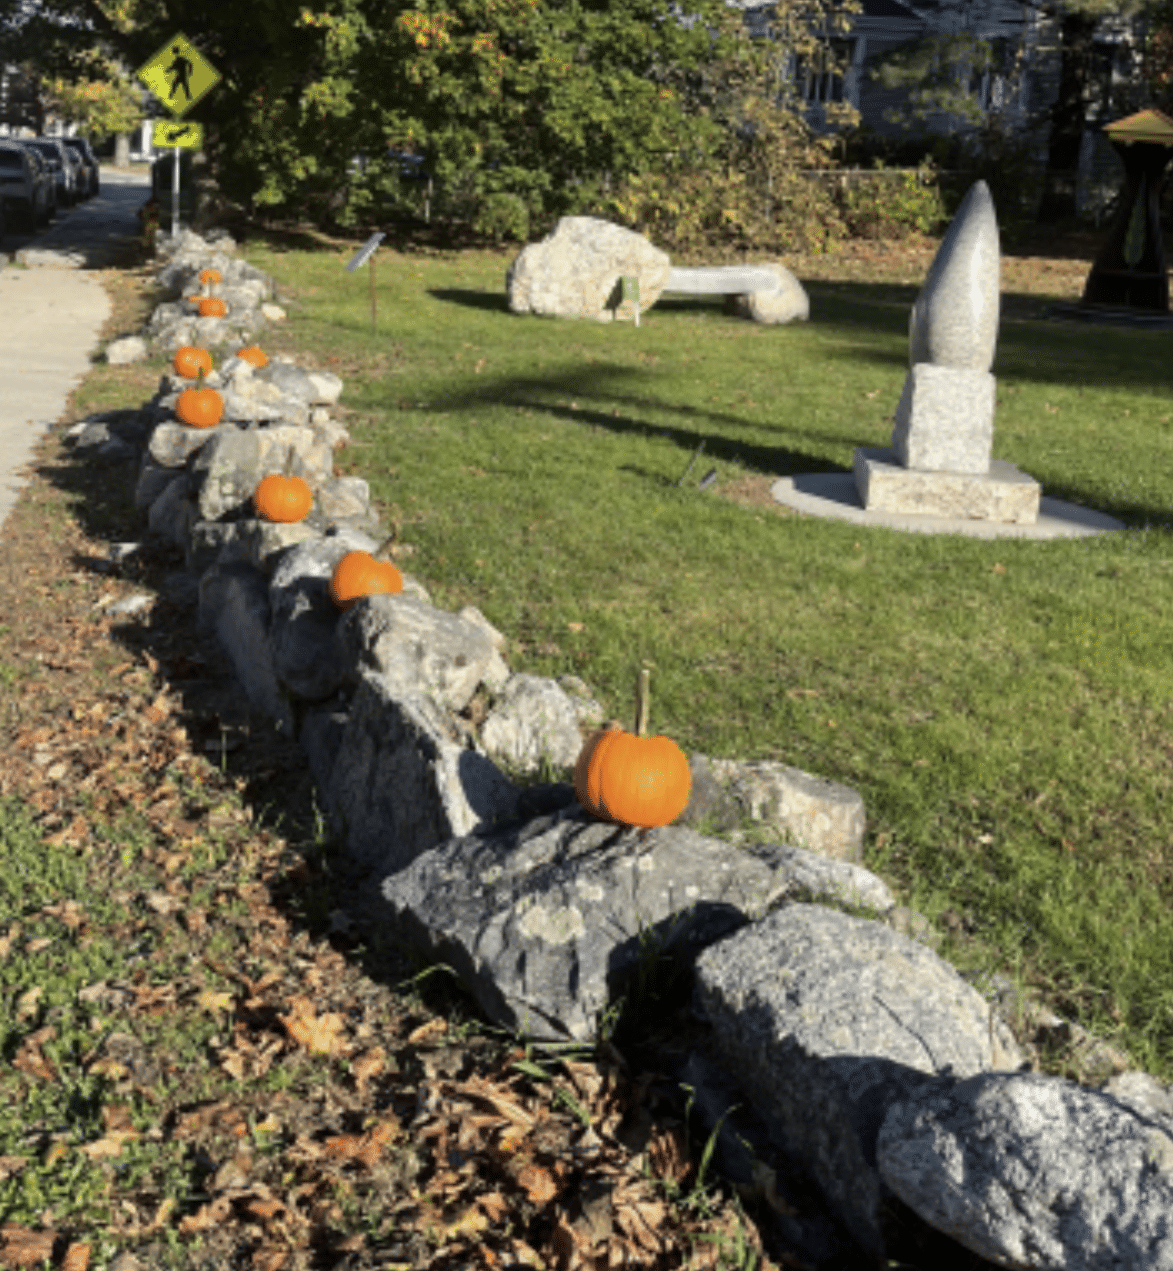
[(1021, 83)]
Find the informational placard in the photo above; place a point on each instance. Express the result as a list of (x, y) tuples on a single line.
[(631, 292), (167, 133), (367, 252), (179, 75), (364, 252)]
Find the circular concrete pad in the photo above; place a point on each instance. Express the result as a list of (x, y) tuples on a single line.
[(833, 495)]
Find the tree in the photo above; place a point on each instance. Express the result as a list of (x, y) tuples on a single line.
[(99, 108), (936, 70)]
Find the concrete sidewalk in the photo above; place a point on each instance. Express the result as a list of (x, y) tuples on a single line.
[(50, 317), (49, 324)]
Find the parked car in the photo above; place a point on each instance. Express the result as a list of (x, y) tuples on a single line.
[(48, 208), (60, 166), (24, 186), (85, 152)]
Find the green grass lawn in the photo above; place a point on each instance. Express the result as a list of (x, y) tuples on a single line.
[(1002, 706)]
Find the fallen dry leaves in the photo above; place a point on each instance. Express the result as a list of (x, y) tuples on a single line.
[(318, 1117)]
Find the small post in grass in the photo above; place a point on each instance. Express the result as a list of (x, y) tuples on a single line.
[(364, 253), (631, 292), (695, 456)]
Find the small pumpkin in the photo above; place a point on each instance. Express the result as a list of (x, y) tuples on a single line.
[(209, 276), (632, 779), (283, 497), (253, 353), (200, 407), (190, 361), (212, 307), (360, 574)]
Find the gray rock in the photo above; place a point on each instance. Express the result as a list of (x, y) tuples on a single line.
[(532, 718), (288, 380), (403, 780), (573, 271), (954, 321), (173, 513), (207, 544), (416, 648), (327, 386), (829, 1019), (131, 348), (805, 809), (172, 444), (321, 734), (470, 613), (1029, 1170), (234, 603), (544, 922), (306, 654), (343, 498)]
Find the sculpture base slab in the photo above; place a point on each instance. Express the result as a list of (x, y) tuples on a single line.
[(1003, 494)]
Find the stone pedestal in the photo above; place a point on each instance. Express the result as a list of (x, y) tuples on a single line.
[(945, 419), (1004, 493)]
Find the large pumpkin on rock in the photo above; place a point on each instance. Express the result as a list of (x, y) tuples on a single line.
[(253, 354), (212, 307), (200, 407), (190, 361), (360, 574), (282, 497), (632, 779)]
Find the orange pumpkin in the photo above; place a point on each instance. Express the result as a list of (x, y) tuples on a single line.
[(212, 307), (190, 361), (360, 574), (200, 407), (282, 497), (253, 353), (630, 779), (209, 275)]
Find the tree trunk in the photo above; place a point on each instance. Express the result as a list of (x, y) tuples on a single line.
[(121, 150), (1067, 120)]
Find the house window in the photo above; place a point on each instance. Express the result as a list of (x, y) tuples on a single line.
[(817, 75)]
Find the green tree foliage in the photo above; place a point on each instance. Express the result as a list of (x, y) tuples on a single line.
[(97, 108)]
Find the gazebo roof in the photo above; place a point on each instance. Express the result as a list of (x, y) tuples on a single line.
[(1145, 125)]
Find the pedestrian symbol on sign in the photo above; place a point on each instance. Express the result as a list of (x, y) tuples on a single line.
[(181, 68)]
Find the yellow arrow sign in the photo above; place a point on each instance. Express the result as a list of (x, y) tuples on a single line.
[(179, 75), (166, 133)]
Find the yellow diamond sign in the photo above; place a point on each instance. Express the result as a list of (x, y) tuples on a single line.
[(166, 133), (179, 75)]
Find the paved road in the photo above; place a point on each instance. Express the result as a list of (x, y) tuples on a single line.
[(51, 313)]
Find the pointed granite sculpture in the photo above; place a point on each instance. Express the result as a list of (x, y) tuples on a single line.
[(939, 461)]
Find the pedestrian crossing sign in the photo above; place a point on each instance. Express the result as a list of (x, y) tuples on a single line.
[(179, 75), (169, 133)]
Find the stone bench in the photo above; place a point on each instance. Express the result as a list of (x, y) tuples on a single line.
[(767, 293)]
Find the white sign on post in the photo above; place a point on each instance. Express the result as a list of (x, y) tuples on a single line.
[(365, 252)]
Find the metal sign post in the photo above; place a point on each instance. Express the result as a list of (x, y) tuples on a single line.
[(367, 252), (175, 193)]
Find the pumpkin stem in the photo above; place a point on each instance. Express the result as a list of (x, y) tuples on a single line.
[(643, 702), (200, 378)]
